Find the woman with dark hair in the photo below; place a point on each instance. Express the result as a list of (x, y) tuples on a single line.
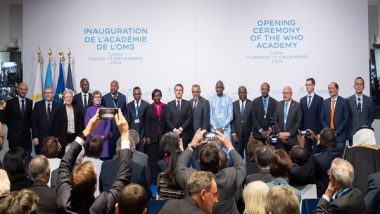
[(50, 149), (167, 184), (154, 129), (14, 164)]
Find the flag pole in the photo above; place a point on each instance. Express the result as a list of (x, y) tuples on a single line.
[(49, 54)]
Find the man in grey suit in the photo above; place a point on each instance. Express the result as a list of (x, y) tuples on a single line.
[(361, 108), (288, 120), (241, 125), (201, 109)]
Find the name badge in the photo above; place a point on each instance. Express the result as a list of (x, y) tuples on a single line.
[(137, 121)]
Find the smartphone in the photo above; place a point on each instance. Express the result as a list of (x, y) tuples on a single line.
[(107, 113), (210, 137)]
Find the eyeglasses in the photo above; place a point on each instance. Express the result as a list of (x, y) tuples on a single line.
[(215, 194)]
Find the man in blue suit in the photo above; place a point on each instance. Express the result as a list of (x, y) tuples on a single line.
[(335, 114), (311, 107), (361, 108), (114, 99), (42, 118)]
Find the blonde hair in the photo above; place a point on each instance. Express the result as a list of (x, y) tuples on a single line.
[(254, 196), (282, 200), (84, 179)]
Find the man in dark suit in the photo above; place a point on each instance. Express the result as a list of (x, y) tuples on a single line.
[(42, 118), (201, 109), (311, 107), (84, 98), (140, 167), (263, 155), (288, 120), (114, 99), (136, 114), (263, 109), (178, 116), (335, 114), (361, 108), (241, 125), (340, 196), (39, 170), (372, 196), (18, 118)]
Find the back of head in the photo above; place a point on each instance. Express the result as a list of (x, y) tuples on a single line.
[(327, 137), (50, 148), (14, 161), (280, 164), (364, 136), (94, 147), (209, 158), (282, 200), (39, 168), (252, 147), (84, 179), (132, 199), (134, 137), (254, 195), (299, 155), (198, 181), (169, 172), (263, 155), (342, 172), (5, 184), (22, 202), (169, 143)]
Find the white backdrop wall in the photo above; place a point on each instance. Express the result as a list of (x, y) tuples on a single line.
[(197, 41)]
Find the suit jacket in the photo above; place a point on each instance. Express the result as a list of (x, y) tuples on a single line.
[(229, 180), (140, 172), (242, 126), (372, 196), (121, 102), (358, 119), (341, 117), (60, 123), (78, 101), (293, 121), (18, 125), (349, 203), (132, 117), (185, 206), (259, 119), (105, 202), (154, 127), (201, 114), (263, 175), (183, 118), (47, 195), (41, 126), (310, 116)]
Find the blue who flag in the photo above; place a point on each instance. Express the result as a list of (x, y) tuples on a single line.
[(69, 78), (48, 77), (58, 97)]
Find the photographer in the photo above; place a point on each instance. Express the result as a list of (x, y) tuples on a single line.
[(228, 179)]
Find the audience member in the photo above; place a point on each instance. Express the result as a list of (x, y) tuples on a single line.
[(104, 127), (279, 167), (169, 142), (14, 164), (39, 171), (364, 155), (282, 200), (140, 166), (202, 191), (372, 197), (50, 149), (5, 184), (229, 180), (21, 202), (75, 190), (252, 165), (93, 149), (340, 196), (254, 195), (132, 200), (167, 183), (262, 158), (303, 168)]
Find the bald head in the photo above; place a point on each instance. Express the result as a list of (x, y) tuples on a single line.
[(287, 93), (22, 89), (219, 88)]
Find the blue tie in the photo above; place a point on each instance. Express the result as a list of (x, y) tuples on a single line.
[(285, 114), (265, 104)]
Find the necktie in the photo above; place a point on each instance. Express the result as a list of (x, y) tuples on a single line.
[(178, 105), (137, 108), (285, 114), (308, 101), (85, 100), (195, 103), (359, 105), (242, 109), (265, 105), (22, 107), (332, 111), (48, 112)]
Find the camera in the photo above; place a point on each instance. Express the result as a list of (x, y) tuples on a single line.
[(273, 139), (107, 113), (210, 137)]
